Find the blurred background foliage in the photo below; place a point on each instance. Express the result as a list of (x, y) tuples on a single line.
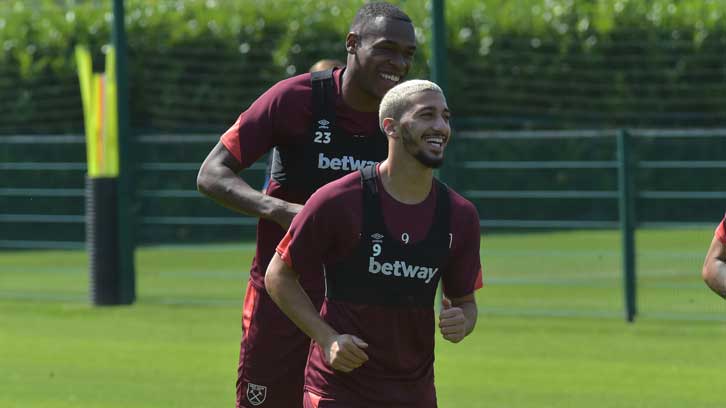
[(195, 64)]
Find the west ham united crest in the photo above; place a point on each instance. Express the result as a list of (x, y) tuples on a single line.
[(256, 394)]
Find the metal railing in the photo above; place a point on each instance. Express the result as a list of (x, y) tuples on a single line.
[(42, 193), (28, 161), (476, 159), (620, 159)]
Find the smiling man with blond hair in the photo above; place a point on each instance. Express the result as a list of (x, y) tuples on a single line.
[(386, 236)]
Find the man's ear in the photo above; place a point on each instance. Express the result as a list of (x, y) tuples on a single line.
[(389, 127), (351, 42)]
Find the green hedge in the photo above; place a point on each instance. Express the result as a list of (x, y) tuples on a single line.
[(570, 63), (195, 64)]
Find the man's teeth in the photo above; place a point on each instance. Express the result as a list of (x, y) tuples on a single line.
[(435, 141), (390, 77)]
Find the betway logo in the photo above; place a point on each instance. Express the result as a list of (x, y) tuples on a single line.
[(345, 163), (402, 269)]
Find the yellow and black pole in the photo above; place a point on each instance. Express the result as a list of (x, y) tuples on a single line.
[(108, 224)]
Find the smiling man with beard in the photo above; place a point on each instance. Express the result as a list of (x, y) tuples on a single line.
[(320, 126), (386, 234)]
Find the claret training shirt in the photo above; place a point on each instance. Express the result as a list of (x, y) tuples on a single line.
[(283, 116), (399, 372)]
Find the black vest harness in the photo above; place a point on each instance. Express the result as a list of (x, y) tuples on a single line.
[(384, 271), (329, 153)]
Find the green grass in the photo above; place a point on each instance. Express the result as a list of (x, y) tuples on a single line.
[(550, 332)]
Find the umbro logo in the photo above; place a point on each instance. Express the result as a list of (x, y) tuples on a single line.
[(377, 237), (324, 124)]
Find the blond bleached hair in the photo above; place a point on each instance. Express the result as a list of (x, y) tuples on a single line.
[(397, 99)]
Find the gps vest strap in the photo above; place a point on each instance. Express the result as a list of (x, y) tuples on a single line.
[(369, 178), (323, 98)]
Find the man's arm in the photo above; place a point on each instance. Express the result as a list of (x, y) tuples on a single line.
[(342, 352), (714, 267), (219, 179), (458, 317)]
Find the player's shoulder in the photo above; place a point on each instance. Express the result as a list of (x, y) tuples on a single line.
[(464, 209), (464, 214), (294, 88), (344, 191), (303, 82), (342, 187)]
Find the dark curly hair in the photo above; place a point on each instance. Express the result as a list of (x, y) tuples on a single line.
[(370, 11)]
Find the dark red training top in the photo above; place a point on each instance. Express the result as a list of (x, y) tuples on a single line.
[(282, 116), (399, 371)]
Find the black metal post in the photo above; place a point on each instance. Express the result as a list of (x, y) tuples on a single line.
[(438, 44), (126, 243), (627, 221)]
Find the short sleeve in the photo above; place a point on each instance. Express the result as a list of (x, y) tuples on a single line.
[(464, 271), (720, 232), (251, 136), (230, 139), (265, 123)]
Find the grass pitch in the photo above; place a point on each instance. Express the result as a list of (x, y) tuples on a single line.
[(550, 331)]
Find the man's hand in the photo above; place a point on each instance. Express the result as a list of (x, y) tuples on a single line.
[(345, 352), (452, 322)]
